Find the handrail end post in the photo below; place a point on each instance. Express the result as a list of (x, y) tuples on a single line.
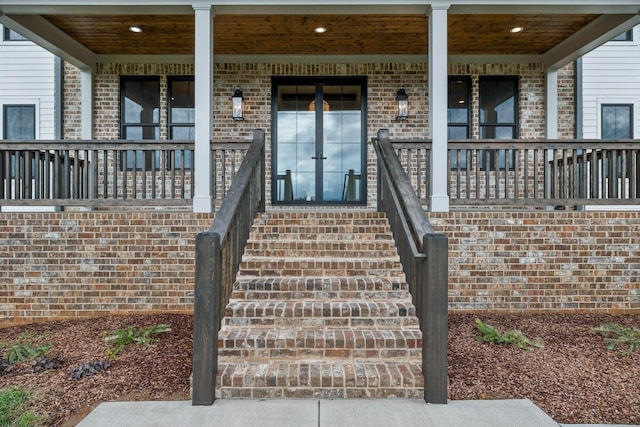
[(434, 308), (206, 317)]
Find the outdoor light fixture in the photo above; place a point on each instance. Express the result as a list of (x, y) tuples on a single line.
[(516, 30), (403, 105), (135, 29), (237, 105)]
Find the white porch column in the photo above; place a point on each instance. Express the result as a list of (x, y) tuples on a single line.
[(203, 80), (551, 122), (86, 122), (551, 103), (86, 104), (438, 82)]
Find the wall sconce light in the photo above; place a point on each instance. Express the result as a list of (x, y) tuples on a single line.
[(403, 105), (237, 105)]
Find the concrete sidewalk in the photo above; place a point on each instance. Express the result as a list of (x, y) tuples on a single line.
[(320, 413)]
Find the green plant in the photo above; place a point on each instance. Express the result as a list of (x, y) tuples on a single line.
[(14, 408), (119, 338), (617, 335), (515, 337), (27, 347)]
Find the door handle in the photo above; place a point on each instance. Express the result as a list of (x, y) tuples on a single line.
[(316, 158)]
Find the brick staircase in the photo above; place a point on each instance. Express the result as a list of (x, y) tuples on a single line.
[(320, 309)]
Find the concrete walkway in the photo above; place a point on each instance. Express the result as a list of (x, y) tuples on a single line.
[(320, 413)]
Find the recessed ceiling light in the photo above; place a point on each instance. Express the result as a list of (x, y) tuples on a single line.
[(516, 30), (320, 30), (461, 101), (135, 29)]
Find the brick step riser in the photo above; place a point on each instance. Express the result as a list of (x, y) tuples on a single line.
[(323, 322), (308, 309), (322, 284), (317, 253), (372, 273), (309, 379), (321, 295), (322, 237), (318, 393), (308, 354)]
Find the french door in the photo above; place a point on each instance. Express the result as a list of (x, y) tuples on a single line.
[(319, 141)]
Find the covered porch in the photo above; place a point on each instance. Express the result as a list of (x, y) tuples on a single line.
[(395, 45)]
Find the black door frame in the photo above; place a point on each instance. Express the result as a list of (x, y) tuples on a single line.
[(318, 82)]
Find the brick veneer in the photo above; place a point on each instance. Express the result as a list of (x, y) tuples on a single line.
[(70, 264), (536, 261), (62, 265)]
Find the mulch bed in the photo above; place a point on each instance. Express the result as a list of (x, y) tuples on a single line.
[(574, 378)]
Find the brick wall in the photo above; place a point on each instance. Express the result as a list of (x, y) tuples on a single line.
[(542, 260), (64, 265), (61, 265)]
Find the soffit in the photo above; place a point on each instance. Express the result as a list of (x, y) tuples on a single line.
[(371, 34)]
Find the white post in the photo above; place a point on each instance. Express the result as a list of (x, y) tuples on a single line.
[(438, 83), (203, 107), (551, 123), (86, 122)]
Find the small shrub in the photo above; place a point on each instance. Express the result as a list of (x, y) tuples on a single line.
[(5, 366), (515, 337), (14, 408), (617, 335), (126, 335), (26, 347), (87, 369), (43, 362)]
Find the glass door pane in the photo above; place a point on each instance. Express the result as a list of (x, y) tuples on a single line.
[(296, 131), (342, 144)]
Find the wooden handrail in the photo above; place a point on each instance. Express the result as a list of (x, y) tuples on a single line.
[(424, 256), (218, 256)]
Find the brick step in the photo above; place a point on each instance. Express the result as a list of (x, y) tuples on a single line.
[(258, 295), (391, 322), (313, 217), (321, 379), (320, 267), (313, 343), (316, 234), (327, 284), (311, 309), (330, 248)]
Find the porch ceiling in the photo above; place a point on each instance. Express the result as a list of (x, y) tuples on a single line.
[(360, 34)]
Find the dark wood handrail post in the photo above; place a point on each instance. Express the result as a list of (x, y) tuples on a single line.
[(434, 318), (208, 278)]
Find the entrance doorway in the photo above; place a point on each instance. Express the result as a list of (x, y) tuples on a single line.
[(319, 140)]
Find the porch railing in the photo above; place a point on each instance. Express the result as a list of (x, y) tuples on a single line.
[(519, 173), (218, 256), (424, 256), (114, 173)]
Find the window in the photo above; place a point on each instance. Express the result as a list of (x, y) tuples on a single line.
[(11, 36), (140, 116), (617, 121), (181, 116), (459, 116), (498, 116), (627, 36), (19, 122)]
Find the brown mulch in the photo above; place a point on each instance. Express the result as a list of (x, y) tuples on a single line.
[(574, 379)]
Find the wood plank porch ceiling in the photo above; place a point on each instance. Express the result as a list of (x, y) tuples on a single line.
[(346, 34)]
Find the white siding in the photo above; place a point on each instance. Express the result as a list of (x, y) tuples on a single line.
[(27, 76), (611, 75)]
